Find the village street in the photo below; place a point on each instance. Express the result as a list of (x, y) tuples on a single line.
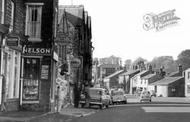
[(159, 110)]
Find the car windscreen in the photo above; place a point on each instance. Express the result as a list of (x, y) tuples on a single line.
[(117, 93)]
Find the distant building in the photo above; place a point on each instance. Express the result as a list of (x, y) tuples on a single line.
[(136, 80), (105, 70), (125, 77), (187, 82), (170, 87), (112, 81), (148, 79), (111, 60)]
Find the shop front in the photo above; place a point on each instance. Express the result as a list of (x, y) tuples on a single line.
[(37, 76), (10, 72)]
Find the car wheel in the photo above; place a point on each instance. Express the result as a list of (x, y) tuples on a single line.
[(101, 106), (125, 102), (107, 106)]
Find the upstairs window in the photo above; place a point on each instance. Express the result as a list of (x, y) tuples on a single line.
[(33, 21), (12, 16), (2, 3)]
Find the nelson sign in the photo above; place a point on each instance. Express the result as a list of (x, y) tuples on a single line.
[(36, 51)]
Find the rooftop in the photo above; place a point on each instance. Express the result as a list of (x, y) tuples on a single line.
[(148, 76), (130, 72), (114, 74), (166, 80)]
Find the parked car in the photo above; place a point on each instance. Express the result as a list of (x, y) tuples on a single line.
[(118, 96), (145, 96), (152, 93), (95, 96)]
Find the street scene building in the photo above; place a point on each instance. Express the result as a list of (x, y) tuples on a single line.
[(46, 57), (49, 72)]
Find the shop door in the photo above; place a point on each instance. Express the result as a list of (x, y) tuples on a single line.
[(31, 79)]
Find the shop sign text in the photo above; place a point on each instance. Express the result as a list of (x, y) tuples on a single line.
[(36, 51)]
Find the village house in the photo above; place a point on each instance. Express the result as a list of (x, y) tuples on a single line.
[(170, 87), (112, 81), (187, 82), (124, 80)]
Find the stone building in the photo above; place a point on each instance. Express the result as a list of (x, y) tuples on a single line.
[(75, 48), (28, 54), (39, 56), (12, 36)]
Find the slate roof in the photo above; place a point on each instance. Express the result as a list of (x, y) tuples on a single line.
[(74, 13), (174, 74), (130, 72), (166, 81), (114, 74), (142, 73), (108, 65), (148, 76)]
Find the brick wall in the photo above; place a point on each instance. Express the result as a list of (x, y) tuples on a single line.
[(20, 12)]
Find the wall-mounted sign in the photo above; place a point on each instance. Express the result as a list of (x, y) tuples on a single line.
[(75, 62), (44, 72), (12, 41), (36, 51)]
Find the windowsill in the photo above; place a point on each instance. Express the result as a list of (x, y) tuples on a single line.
[(35, 39)]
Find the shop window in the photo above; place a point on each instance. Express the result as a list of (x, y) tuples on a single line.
[(31, 78), (33, 20), (2, 3), (11, 70)]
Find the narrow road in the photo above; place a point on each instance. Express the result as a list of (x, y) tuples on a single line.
[(143, 112)]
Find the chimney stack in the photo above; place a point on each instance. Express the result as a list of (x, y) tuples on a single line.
[(180, 69)]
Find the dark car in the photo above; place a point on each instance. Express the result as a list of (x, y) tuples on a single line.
[(95, 96)]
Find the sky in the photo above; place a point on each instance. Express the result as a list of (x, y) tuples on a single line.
[(117, 28)]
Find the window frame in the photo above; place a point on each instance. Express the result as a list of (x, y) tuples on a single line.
[(28, 5), (3, 12), (12, 16)]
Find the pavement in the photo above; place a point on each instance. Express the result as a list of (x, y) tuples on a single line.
[(64, 115)]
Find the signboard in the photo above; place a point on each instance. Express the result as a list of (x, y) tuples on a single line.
[(44, 71), (12, 41), (75, 62), (36, 51)]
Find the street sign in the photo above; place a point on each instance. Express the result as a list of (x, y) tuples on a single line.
[(75, 62), (12, 41)]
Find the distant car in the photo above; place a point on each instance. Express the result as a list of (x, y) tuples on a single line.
[(118, 96), (145, 96), (95, 96)]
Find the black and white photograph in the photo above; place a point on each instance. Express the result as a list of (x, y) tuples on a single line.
[(94, 61)]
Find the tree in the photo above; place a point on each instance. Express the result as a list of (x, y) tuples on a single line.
[(128, 64), (164, 61), (184, 59), (139, 63)]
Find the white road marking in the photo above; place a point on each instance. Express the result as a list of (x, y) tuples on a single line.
[(166, 109)]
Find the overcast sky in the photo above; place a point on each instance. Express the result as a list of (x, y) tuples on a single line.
[(117, 28)]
